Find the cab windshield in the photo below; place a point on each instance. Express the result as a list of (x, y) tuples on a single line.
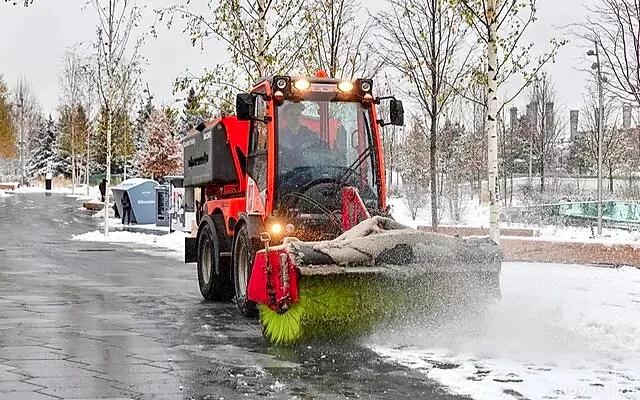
[(324, 142)]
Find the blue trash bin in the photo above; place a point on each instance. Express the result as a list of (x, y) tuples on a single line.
[(143, 199)]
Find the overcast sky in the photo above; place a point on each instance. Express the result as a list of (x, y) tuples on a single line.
[(33, 40)]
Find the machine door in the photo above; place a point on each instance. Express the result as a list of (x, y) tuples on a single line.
[(257, 161)]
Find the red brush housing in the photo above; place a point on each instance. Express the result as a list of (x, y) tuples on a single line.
[(274, 280)]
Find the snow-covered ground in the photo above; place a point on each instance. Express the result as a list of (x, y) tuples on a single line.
[(473, 214), (560, 332), (80, 191), (173, 242), (477, 215)]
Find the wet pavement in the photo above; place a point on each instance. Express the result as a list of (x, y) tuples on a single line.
[(82, 320)]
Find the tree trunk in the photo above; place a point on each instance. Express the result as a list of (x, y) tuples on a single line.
[(108, 167), (511, 188), (434, 126), (610, 180), (73, 169), (86, 172), (73, 152), (504, 182), (262, 28), (542, 174), (492, 128)]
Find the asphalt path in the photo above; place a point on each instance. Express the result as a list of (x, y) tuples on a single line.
[(86, 320)]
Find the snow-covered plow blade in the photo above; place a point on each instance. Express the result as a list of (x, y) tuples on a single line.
[(375, 271)]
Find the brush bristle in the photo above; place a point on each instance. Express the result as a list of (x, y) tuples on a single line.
[(328, 306), (350, 305)]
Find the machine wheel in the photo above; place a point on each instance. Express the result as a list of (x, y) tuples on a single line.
[(243, 255), (208, 263)]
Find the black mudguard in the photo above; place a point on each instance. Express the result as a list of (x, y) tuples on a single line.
[(190, 250)]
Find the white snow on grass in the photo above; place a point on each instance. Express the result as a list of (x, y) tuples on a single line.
[(560, 332), (477, 215), (473, 214), (80, 191)]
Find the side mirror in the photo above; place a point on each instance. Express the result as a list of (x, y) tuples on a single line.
[(397, 112), (245, 106)]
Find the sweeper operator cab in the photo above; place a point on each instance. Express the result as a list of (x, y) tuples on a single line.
[(299, 167), (314, 147)]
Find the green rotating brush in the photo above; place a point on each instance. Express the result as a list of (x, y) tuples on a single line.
[(330, 306)]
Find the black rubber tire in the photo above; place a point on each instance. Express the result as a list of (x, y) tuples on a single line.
[(224, 277), (208, 253), (243, 252)]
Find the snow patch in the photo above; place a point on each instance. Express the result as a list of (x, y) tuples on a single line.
[(173, 241), (560, 331), (278, 386), (4, 194)]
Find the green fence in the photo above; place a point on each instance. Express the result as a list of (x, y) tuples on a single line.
[(95, 179), (612, 211)]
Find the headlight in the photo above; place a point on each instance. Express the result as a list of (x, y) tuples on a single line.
[(302, 84), (276, 229), (345, 86), (366, 86), (281, 83)]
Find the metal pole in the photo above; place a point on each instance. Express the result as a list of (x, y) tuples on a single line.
[(600, 137)]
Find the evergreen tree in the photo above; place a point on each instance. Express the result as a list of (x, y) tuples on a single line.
[(45, 156), (7, 128), (194, 113), (163, 155), (172, 116)]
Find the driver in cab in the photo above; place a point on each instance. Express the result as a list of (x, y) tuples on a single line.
[(294, 135), (296, 139)]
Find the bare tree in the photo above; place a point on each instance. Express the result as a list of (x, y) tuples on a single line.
[(423, 41), (501, 26), (510, 141), (261, 36), (615, 26), (340, 40), (615, 143), (117, 67), (414, 167), (27, 117), (393, 137), (546, 125), (73, 86), (455, 167), (90, 106), (478, 144)]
